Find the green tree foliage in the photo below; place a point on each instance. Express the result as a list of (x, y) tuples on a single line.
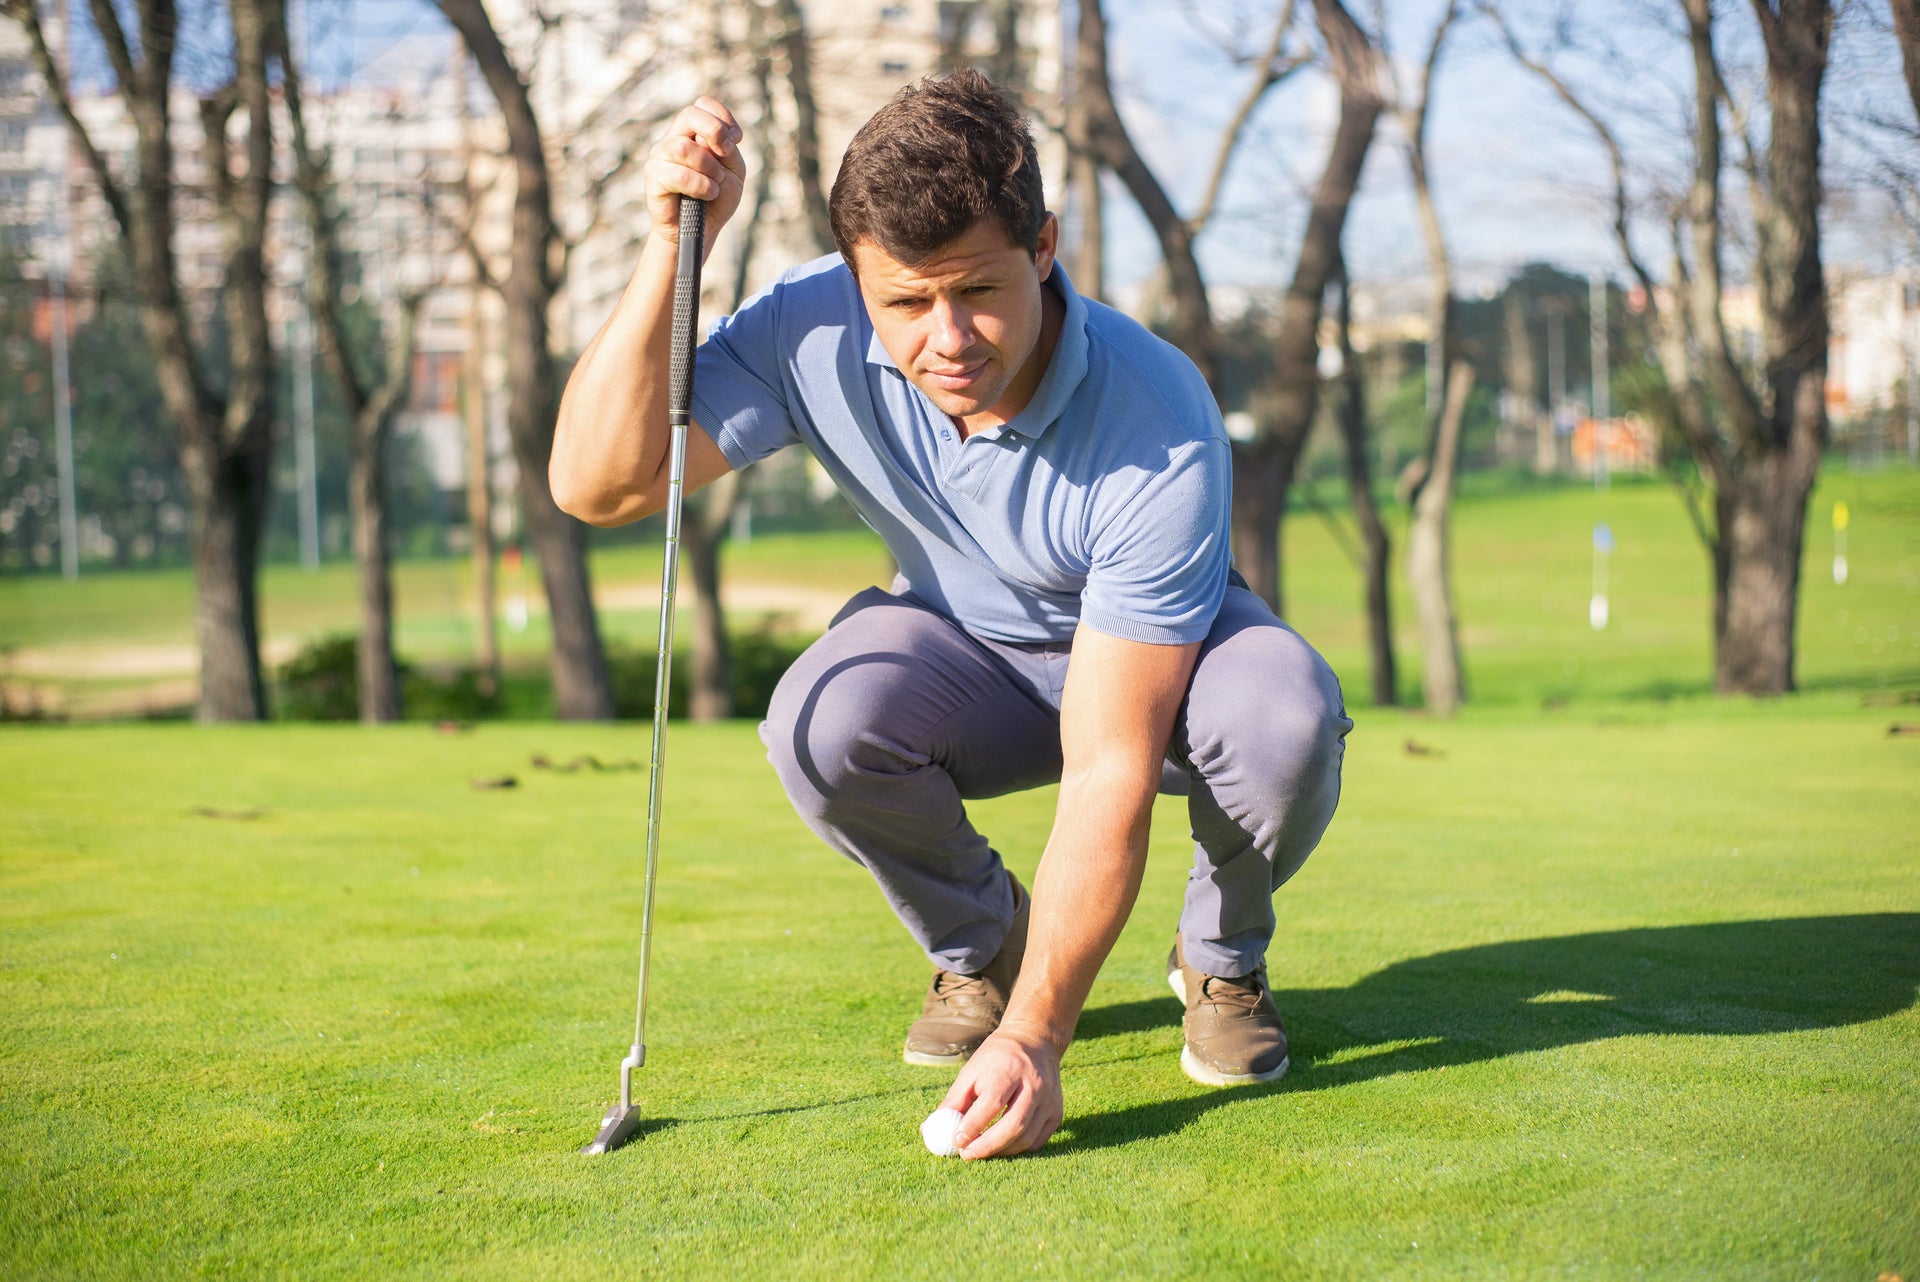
[(127, 481)]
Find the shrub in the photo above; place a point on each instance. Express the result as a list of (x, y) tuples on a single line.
[(760, 658), (322, 683)]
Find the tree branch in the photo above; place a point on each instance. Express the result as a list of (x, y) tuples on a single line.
[(27, 14), (1107, 138), (1272, 70), (1736, 398), (107, 23), (1616, 159)]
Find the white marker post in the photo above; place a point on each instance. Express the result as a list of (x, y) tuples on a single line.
[(1602, 548), (1840, 542)]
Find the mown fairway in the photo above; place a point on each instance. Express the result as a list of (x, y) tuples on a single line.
[(1606, 978), (1589, 996)]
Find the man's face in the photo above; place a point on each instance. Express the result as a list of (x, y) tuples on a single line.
[(965, 326)]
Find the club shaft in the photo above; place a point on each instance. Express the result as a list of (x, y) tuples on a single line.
[(686, 316)]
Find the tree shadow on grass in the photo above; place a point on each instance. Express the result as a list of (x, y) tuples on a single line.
[(1730, 979), (1891, 682)]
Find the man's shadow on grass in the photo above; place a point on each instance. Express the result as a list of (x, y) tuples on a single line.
[(1726, 980)]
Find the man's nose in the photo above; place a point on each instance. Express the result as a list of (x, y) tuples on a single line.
[(952, 328)]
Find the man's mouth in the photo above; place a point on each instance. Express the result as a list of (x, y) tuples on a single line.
[(957, 380)]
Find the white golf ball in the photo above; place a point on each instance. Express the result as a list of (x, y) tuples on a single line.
[(938, 1131)]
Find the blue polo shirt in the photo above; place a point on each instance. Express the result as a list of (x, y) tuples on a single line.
[(1105, 501)]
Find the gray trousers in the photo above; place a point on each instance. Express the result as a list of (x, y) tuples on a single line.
[(896, 717)]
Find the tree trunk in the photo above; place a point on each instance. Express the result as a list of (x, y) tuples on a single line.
[(1762, 520), (367, 511), (1083, 189), (1906, 30), (229, 510), (1762, 500), (1262, 472), (797, 48), (1090, 257), (1428, 569), (582, 687), (1007, 67), (1376, 548), (703, 534), (1283, 433)]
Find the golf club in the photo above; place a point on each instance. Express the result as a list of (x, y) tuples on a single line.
[(622, 1121)]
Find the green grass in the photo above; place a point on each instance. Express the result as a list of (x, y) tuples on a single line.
[(1569, 995), (1606, 978)]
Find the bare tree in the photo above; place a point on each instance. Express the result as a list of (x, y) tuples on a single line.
[(372, 400), (581, 685), (1263, 467), (1431, 487), (225, 432), (1375, 556), (1428, 571), (1756, 438)]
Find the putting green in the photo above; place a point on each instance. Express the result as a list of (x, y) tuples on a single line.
[(1587, 992)]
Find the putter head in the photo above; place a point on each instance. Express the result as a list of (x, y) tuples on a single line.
[(621, 1124)]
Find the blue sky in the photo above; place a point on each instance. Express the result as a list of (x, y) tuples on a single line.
[(1516, 176)]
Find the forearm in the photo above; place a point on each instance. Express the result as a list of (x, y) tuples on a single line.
[(1083, 891), (611, 436)]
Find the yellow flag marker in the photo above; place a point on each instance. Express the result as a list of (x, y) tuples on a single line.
[(1840, 542)]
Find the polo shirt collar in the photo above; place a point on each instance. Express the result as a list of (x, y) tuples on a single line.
[(1065, 372)]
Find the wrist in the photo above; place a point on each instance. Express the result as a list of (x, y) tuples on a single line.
[(1038, 1033)]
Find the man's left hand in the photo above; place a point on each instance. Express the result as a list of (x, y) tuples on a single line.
[(1015, 1077)]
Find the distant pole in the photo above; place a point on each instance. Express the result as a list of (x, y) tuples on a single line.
[(303, 453), (62, 381), (1602, 376), (1556, 358), (1597, 610), (63, 429)]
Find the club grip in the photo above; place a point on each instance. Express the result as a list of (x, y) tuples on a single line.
[(686, 309)]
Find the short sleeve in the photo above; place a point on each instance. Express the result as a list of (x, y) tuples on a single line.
[(1162, 551), (740, 390)]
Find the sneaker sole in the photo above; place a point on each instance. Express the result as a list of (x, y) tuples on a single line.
[(1192, 1067), (927, 1060)]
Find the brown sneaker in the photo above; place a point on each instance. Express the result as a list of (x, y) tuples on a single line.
[(1234, 1033), (961, 1010)]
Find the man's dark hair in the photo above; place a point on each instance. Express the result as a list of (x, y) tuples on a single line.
[(945, 152)]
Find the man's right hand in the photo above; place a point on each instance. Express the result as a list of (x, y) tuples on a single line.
[(698, 156)]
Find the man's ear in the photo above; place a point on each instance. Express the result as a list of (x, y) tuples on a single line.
[(1048, 244)]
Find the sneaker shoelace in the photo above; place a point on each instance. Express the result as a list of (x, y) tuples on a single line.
[(951, 986), (1232, 995)]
